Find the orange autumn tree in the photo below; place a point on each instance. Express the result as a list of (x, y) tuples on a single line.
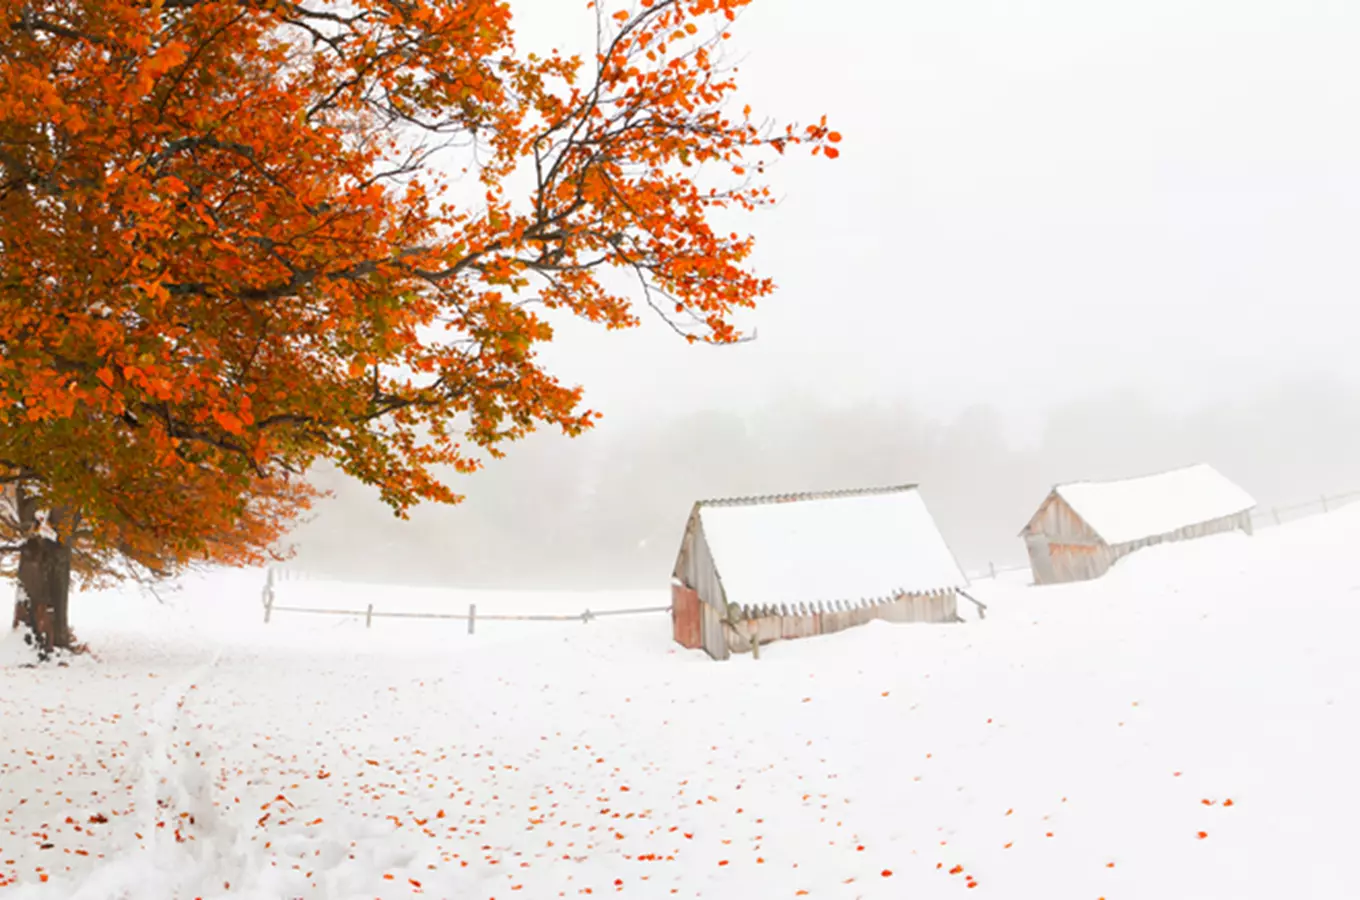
[(156, 541), (228, 248)]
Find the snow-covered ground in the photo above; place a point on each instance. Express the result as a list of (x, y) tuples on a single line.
[(1186, 727)]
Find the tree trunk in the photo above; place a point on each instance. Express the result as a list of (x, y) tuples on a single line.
[(44, 593)]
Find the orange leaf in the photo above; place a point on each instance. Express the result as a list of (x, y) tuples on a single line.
[(228, 422)]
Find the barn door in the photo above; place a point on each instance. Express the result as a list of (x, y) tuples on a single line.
[(685, 617)]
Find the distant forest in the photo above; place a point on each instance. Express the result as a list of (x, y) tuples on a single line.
[(607, 510)]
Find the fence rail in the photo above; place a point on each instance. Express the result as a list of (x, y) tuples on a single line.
[(368, 614), (1277, 515)]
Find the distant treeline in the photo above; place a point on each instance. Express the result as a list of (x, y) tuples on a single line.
[(607, 510)]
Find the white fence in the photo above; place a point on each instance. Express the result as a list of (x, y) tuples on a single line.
[(369, 613), (1278, 515)]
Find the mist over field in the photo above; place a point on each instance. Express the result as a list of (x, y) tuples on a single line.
[(608, 509)]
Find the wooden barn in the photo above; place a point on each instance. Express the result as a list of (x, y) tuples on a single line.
[(760, 569), (1084, 528)]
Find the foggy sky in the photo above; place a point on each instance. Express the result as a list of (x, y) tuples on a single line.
[(1043, 210), (1036, 201)]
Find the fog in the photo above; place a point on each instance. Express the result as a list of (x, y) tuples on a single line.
[(1066, 239), (608, 509)]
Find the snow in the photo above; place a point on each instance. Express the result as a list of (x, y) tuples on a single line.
[(1155, 505), (860, 546), (1074, 745)]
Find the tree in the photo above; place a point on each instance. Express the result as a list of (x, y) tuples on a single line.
[(45, 546), (228, 248)]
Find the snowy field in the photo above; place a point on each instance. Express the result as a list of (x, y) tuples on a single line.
[(1187, 727)]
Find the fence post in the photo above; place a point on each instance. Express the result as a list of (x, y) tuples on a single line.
[(268, 594), (368, 617), (1324, 503), (1276, 513), (472, 618)]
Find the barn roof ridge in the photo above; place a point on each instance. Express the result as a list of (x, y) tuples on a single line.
[(1151, 474), (797, 497)]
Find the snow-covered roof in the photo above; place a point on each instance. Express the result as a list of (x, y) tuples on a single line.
[(821, 548), (1153, 505)]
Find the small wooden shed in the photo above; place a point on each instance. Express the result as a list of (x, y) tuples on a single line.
[(753, 570), (1084, 528)]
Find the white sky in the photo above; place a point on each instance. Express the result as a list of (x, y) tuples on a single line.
[(1036, 200)]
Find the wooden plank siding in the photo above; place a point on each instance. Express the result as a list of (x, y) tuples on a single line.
[(770, 625), (714, 632), (694, 568), (1058, 521), (1074, 561), (1239, 522), (1063, 548)]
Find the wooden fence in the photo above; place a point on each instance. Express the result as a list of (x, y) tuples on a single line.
[(1278, 515), (368, 614)]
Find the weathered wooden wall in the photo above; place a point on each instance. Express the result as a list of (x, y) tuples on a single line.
[(1058, 521), (1239, 522), (695, 570), (1056, 561), (1063, 548), (694, 567), (714, 632), (770, 624)]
